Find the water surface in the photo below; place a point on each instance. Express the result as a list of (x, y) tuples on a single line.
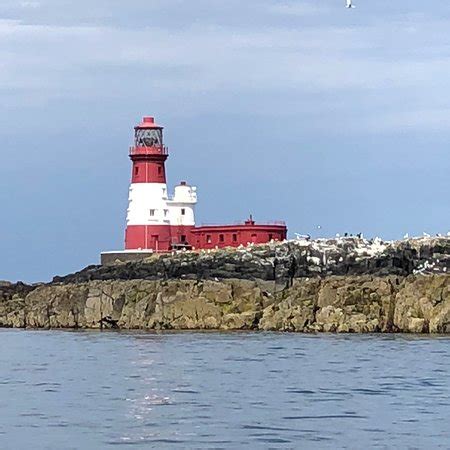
[(92, 390)]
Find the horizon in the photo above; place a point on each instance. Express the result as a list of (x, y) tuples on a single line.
[(312, 114)]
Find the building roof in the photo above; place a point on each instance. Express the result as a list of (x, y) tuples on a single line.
[(148, 123), (278, 226)]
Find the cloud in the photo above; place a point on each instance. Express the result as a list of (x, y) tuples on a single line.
[(298, 9), (369, 69), (417, 121), (30, 4)]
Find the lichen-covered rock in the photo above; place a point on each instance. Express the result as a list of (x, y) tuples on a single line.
[(334, 285), (424, 305), (294, 308), (358, 304)]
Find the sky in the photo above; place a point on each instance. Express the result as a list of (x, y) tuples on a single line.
[(298, 110)]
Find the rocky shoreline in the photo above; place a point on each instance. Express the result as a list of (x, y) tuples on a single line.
[(334, 285)]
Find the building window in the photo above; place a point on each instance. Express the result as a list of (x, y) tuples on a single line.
[(183, 212), (152, 212), (182, 238), (208, 239), (166, 212), (270, 237), (136, 170), (234, 237), (159, 170), (221, 238)]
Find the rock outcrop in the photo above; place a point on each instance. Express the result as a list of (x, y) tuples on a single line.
[(362, 304), (342, 285), (283, 262)]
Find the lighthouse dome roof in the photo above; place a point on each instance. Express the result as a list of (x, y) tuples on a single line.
[(148, 123)]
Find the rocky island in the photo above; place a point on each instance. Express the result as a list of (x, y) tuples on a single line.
[(328, 285)]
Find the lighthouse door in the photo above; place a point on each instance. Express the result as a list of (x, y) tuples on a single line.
[(155, 241)]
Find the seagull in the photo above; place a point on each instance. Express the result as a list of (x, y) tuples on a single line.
[(350, 4), (300, 237)]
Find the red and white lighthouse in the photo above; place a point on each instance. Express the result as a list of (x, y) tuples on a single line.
[(156, 221)]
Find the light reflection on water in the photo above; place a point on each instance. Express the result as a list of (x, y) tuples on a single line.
[(91, 390)]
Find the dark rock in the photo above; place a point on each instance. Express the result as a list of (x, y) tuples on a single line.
[(283, 262)]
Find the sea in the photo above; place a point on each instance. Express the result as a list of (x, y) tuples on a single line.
[(140, 390)]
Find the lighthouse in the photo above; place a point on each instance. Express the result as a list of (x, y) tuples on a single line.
[(159, 222), (156, 221)]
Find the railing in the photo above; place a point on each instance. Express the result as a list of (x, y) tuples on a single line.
[(156, 150), (242, 223), (192, 198)]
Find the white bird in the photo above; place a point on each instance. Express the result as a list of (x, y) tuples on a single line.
[(350, 4), (406, 236)]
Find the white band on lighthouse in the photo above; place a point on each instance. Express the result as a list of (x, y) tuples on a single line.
[(149, 204)]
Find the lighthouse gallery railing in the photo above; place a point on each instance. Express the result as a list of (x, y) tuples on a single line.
[(156, 150)]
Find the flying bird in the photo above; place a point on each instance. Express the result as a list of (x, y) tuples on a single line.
[(350, 4)]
